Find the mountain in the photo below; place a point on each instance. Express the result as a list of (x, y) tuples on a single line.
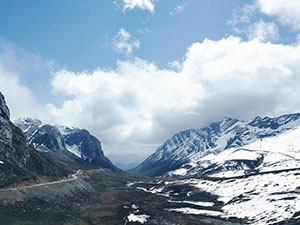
[(281, 152), (74, 147), (194, 151), (251, 176), (18, 160)]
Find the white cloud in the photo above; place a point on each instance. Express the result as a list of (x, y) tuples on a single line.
[(263, 31), (243, 24), (20, 99), (135, 107), (175, 65), (242, 16), (178, 9), (142, 4), (124, 42), (288, 11), (16, 63)]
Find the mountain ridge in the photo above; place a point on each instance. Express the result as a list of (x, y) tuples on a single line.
[(212, 139), (71, 146)]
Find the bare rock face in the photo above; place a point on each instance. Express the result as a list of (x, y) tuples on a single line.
[(18, 160), (5, 126), (4, 111)]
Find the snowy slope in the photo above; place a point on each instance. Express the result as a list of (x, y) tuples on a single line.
[(271, 153), (258, 199), (262, 199), (184, 153)]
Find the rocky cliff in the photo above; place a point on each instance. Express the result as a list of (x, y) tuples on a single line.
[(18, 160)]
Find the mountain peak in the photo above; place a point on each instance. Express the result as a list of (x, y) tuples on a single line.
[(64, 143)]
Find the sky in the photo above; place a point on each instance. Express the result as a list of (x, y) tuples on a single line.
[(135, 72)]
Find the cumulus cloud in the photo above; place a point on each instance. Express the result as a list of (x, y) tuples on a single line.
[(127, 104), (124, 42), (136, 106), (286, 11), (15, 63), (141, 4), (19, 98)]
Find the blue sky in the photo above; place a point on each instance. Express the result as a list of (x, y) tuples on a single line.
[(134, 72), (77, 34)]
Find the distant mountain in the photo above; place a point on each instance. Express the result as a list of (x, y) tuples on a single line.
[(18, 160), (195, 151), (74, 147), (126, 166)]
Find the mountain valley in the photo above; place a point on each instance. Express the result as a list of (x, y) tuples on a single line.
[(231, 172)]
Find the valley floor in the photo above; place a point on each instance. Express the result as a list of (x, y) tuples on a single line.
[(102, 197)]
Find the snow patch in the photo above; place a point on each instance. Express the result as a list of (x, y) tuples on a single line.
[(205, 204), (134, 206), (179, 172), (188, 210), (74, 149), (138, 218)]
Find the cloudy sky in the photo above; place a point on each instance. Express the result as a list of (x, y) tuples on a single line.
[(135, 72)]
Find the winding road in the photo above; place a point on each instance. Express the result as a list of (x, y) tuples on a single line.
[(73, 177)]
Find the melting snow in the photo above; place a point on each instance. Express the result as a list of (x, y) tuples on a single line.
[(152, 190), (197, 211), (138, 218), (260, 198), (134, 206), (206, 204), (179, 172)]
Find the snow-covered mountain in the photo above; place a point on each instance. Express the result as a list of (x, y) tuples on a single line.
[(71, 146), (217, 148), (276, 153)]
